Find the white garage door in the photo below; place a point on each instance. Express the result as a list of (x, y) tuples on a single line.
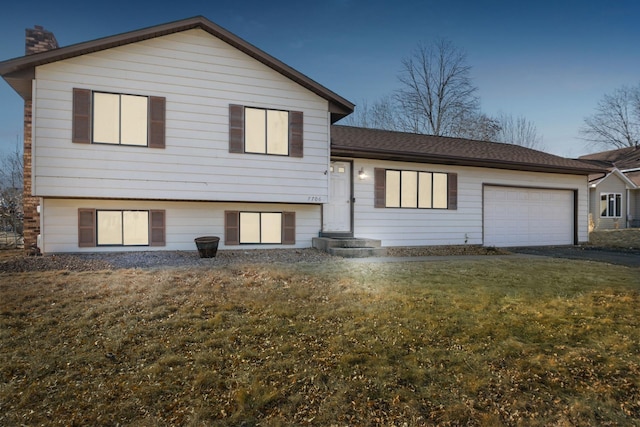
[(527, 217)]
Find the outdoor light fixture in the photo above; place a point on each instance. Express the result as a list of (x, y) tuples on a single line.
[(362, 174)]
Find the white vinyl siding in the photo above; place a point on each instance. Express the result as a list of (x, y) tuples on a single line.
[(184, 221), (199, 76), (416, 227)]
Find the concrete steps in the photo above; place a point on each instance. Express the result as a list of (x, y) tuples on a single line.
[(349, 247)]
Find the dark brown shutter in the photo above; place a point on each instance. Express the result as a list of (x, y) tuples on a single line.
[(288, 228), (296, 134), (452, 184), (157, 120), (86, 228), (231, 227), (81, 127), (157, 228), (379, 184), (236, 128)]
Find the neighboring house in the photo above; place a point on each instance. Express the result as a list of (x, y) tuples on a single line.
[(615, 196), (148, 139)]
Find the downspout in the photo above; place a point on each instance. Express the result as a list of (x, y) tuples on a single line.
[(627, 199)]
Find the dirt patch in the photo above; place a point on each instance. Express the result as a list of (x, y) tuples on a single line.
[(628, 238)]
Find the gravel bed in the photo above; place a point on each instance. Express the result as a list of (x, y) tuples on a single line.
[(171, 259), (156, 259)]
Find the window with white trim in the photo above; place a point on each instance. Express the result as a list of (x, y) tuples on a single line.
[(122, 228), (610, 205), (413, 189)]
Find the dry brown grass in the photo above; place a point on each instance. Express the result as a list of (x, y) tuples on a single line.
[(628, 238), (492, 342)]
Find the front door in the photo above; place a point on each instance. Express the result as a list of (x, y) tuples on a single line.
[(337, 213)]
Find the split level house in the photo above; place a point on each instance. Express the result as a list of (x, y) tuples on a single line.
[(615, 195), (148, 139)]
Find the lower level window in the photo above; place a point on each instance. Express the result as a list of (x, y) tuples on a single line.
[(261, 227), (125, 228), (610, 205)]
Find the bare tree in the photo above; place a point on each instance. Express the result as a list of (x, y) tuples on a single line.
[(616, 122), (436, 92), (518, 131), (477, 126), (11, 189), (381, 114)]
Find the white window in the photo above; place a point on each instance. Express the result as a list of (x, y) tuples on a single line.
[(123, 228), (120, 119), (261, 227), (611, 205), (412, 189), (266, 131)]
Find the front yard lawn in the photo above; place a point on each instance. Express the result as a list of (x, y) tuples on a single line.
[(489, 342)]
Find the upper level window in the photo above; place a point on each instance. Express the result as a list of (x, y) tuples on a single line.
[(266, 131), (610, 205), (111, 118), (119, 119), (412, 189)]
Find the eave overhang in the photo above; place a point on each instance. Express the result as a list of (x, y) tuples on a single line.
[(19, 72), (377, 154)]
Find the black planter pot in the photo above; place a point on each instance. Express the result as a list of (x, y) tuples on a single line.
[(207, 246)]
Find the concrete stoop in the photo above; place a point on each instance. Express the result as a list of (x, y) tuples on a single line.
[(350, 247)]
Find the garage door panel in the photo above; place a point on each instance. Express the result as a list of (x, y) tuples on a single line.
[(527, 217)]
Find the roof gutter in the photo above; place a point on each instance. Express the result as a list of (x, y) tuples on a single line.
[(458, 161)]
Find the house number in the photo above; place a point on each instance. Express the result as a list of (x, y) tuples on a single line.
[(314, 199)]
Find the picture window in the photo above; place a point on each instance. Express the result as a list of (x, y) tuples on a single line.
[(413, 189)]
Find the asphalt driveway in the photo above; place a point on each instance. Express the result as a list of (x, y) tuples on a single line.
[(626, 257)]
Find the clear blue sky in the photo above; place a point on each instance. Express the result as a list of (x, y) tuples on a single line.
[(550, 61)]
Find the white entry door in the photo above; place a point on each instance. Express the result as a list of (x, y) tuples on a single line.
[(337, 213)]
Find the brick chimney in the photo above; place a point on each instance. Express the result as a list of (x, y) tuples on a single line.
[(37, 40)]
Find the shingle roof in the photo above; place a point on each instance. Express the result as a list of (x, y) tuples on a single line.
[(622, 158), (634, 177), (408, 147), (19, 72)]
